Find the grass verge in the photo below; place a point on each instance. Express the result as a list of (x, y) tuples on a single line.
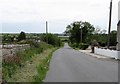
[(35, 69), (24, 66), (43, 67)]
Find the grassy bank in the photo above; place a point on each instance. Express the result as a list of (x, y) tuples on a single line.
[(43, 66), (28, 66)]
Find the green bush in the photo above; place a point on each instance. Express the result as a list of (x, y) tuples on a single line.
[(83, 46), (52, 39), (74, 45), (21, 36)]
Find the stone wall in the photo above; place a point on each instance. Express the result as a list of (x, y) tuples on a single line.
[(12, 49)]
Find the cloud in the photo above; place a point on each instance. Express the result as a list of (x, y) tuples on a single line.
[(16, 10), (119, 12), (95, 11)]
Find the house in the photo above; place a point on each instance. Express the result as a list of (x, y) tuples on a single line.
[(118, 28)]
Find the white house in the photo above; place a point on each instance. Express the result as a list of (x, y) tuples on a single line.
[(112, 53), (118, 28)]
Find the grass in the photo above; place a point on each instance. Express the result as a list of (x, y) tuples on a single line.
[(34, 69), (23, 61), (43, 67)]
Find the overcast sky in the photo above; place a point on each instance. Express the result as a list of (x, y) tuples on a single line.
[(30, 15)]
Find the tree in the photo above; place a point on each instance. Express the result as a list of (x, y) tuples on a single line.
[(7, 38), (79, 31), (113, 38), (22, 36), (97, 30), (52, 39), (103, 31)]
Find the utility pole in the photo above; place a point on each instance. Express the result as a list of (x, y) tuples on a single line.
[(81, 35), (46, 31), (110, 16)]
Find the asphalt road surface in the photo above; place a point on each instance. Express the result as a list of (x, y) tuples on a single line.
[(68, 65)]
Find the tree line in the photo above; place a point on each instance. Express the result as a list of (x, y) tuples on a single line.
[(83, 33), (23, 39)]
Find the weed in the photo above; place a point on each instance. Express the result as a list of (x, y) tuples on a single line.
[(43, 67), (13, 63)]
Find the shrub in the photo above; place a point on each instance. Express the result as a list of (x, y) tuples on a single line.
[(83, 46), (52, 39), (74, 45), (22, 36)]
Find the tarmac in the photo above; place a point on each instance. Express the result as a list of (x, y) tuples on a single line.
[(69, 65)]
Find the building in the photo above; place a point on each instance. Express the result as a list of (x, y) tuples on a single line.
[(118, 28), (112, 53)]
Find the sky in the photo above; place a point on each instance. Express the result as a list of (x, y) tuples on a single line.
[(119, 12), (30, 15)]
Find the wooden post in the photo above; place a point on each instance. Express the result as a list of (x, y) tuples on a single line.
[(110, 16), (46, 31)]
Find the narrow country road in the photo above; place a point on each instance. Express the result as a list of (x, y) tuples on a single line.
[(68, 65)]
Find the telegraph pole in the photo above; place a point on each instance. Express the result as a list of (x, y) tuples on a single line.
[(110, 16), (46, 31), (81, 35)]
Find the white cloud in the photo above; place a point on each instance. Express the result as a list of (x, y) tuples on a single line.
[(40, 10), (119, 12), (53, 9)]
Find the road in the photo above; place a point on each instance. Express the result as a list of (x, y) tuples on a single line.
[(68, 65)]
